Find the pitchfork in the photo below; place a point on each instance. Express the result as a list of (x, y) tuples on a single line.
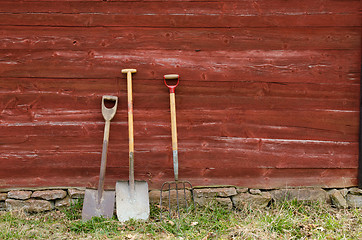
[(177, 184)]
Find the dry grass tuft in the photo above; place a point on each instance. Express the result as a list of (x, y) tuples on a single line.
[(288, 220)]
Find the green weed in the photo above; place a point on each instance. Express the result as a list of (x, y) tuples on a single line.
[(73, 212), (286, 220)]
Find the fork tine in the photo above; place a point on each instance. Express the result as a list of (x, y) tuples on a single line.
[(169, 200), (178, 204), (185, 194), (175, 185)]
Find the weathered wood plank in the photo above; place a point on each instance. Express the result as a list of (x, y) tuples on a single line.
[(254, 178), (239, 7), (320, 66), (308, 125), (71, 142), (182, 14), (29, 102), (200, 39), (117, 86), (250, 153), (177, 21), (216, 153)]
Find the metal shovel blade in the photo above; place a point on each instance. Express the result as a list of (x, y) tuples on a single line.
[(91, 208), (132, 207)]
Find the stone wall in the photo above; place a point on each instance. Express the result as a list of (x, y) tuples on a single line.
[(39, 200), (234, 197), (230, 196)]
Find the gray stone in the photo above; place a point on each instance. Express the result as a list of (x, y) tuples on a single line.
[(243, 200), (22, 195), (201, 201), (3, 196), (76, 193), (14, 204), (31, 205), (2, 206), (206, 196), (354, 201), (242, 190), (154, 196), (225, 202), (355, 191), (49, 194), (40, 205), (344, 192), (65, 202), (214, 192), (255, 191), (301, 194), (337, 199)]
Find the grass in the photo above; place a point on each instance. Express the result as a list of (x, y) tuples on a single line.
[(287, 220)]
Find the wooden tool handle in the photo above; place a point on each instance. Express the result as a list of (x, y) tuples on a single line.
[(103, 160), (130, 112), (108, 114), (171, 76), (174, 134), (130, 128), (130, 131)]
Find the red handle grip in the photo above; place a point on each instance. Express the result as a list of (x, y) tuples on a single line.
[(171, 76)]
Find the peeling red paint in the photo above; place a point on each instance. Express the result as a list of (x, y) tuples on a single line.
[(268, 94)]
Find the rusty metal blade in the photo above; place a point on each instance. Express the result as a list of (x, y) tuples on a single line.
[(93, 208)]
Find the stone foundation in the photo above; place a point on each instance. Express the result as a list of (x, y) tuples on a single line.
[(41, 200)]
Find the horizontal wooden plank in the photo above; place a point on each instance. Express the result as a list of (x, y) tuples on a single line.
[(203, 152), (322, 66), (297, 4), (251, 153), (178, 20), (122, 0), (117, 86), (253, 178), (243, 7), (200, 39), (313, 125), (281, 178), (89, 142), (29, 102), (182, 14)]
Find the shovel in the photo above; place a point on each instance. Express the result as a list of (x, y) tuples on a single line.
[(132, 201), (100, 202)]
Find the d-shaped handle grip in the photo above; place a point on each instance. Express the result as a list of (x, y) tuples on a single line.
[(171, 77), (108, 113)]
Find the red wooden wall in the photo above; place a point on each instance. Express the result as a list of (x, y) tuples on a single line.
[(269, 92)]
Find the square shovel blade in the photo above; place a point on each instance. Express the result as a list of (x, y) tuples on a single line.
[(137, 206), (91, 208)]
